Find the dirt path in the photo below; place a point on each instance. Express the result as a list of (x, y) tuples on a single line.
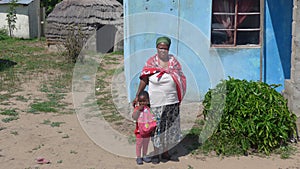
[(77, 151)]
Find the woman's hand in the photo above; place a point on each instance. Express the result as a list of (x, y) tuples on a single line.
[(143, 82), (134, 102)]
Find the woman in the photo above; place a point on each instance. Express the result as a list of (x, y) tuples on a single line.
[(166, 86)]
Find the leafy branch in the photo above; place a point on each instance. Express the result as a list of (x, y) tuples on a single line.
[(11, 16)]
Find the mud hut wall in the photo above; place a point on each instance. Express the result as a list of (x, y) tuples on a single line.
[(88, 21)]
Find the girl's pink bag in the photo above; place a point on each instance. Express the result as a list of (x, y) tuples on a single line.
[(146, 123)]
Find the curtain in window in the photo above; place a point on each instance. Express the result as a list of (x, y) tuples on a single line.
[(244, 6), (228, 7)]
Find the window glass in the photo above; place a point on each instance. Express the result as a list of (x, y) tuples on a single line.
[(235, 22)]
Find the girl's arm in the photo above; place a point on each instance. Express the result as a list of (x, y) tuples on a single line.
[(136, 113)]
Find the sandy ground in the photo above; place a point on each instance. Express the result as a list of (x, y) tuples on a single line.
[(78, 151), (72, 146)]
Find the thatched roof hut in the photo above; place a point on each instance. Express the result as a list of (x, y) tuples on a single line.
[(86, 16)]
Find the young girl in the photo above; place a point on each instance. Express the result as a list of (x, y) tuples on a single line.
[(142, 141)]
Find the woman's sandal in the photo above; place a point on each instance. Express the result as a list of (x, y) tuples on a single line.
[(166, 156), (155, 159)]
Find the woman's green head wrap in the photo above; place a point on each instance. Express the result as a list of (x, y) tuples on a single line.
[(164, 40)]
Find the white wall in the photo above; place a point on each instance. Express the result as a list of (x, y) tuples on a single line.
[(22, 25), (27, 20)]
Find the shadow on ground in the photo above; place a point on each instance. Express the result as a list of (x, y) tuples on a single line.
[(187, 145), (5, 64)]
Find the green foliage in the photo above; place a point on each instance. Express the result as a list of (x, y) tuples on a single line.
[(14, 133), (3, 34), (52, 124), (10, 118), (49, 5), (9, 112), (56, 124), (47, 106), (286, 151), (254, 118), (46, 121), (59, 161), (12, 115), (190, 167), (11, 16), (2, 128)]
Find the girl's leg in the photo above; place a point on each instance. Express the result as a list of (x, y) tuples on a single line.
[(145, 150), (145, 145), (139, 144)]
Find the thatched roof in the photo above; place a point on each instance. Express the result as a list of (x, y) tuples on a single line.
[(88, 15)]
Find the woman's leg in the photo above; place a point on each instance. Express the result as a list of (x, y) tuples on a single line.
[(158, 134), (155, 159), (171, 128), (164, 130), (156, 137)]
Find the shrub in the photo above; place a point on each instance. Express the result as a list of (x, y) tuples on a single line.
[(3, 34), (254, 117), (74, 42)]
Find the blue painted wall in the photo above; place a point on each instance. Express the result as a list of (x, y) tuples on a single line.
[(278, 35), (188, 22)]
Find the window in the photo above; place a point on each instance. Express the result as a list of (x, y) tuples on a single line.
[(235, 23)]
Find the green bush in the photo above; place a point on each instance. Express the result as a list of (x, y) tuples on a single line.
[(250, 117), (3, 34)]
